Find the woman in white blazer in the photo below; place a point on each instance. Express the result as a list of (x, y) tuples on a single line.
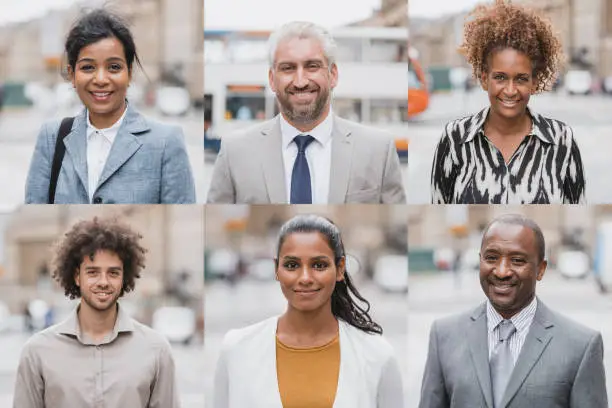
[(325, 351)]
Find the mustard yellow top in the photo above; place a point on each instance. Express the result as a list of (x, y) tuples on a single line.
[(308, 377)]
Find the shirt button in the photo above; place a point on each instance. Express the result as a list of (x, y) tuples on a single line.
[(97, 200)]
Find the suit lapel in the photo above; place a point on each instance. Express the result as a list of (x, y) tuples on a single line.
[(125, 144), (479, 350), (342, 154), (537, 339), (272, 162), (76, 147)]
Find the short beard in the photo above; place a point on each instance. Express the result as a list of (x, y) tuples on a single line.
[(304, 115)]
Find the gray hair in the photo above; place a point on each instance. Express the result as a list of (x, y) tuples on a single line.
[(303, 30)]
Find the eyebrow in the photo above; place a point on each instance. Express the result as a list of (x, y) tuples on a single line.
[(86, 59), (308, 61)]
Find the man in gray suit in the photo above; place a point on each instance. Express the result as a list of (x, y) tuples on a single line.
[(306, 154), (512, 351)]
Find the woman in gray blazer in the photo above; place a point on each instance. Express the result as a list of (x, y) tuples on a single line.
[(109, 153), (325, 351)]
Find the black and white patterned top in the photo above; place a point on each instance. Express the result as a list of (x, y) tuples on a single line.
[(468, 169)]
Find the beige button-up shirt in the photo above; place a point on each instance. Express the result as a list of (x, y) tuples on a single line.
[(131, 368)]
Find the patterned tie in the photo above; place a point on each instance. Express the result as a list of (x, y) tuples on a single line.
[(300, 177), (501, 362)]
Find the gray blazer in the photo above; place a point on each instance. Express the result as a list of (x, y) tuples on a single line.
[(147, 164), (364, 169), (559, 366)]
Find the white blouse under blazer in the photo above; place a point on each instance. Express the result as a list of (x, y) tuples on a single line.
[(245, 376)]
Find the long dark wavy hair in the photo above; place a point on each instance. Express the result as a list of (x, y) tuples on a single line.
[(345, 297)]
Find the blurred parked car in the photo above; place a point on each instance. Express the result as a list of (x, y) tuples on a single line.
[(177, 324), (573, 264), (4, 317), (391, 273), (578, 82), (173, 100)]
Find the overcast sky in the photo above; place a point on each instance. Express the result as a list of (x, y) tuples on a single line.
[(270, 14), (436, 8)]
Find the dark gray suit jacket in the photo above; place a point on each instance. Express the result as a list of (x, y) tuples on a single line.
[(559, 366)]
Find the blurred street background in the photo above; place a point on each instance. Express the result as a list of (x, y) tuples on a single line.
[(441, 88), (239, 268), (168, 296), (34, 88), (444, 244), (372, 59)]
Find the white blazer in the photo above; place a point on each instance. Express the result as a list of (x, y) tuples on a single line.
[(245, 376)]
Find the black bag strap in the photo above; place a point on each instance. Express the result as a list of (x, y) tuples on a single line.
[(58, 156)]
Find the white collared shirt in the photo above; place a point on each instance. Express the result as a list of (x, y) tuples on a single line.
[(522, 321), (99, 143), (318, 154)]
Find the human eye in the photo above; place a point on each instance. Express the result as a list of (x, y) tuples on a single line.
[(313, 66), (490, 257), (286, 68), (91, 272), (499, 77), (518, 260), (87, 67), (115, 67), (290, 265), (320, 265)]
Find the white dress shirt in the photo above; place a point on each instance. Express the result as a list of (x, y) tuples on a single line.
[(522, 321), (99, 143), (318, 154)]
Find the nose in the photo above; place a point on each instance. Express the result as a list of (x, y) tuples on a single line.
[(103, 279), (300, 80), (511, 88), (305, 276), (503, 269), (101, 77)]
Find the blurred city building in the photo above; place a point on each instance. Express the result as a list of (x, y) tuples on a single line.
[(392, 13), (578, 238), (173, 236), (372, 57), (585, 29), (241, 240), (168, 36)]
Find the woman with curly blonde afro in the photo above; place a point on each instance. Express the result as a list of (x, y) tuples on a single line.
[(507, 153)]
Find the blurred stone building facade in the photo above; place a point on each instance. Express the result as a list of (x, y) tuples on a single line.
[(168, 36), (173, 236), (585, 28)]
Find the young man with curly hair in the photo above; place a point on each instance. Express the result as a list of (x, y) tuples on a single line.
[(99, 356), (507, 153)]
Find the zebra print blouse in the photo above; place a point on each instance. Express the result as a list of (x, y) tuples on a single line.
[(545, 168)]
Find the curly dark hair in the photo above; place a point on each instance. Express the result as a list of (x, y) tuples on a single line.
[(502, 25), (345, 295), (87, 237)]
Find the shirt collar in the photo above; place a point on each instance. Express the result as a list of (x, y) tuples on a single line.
[(109, 133), (322, 132), (71, 326), (522, 320), (539, 127)]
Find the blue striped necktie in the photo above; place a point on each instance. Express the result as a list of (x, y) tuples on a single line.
[(301, 190)]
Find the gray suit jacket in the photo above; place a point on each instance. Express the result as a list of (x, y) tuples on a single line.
[(364, 169), (147, 164), (560, 365)]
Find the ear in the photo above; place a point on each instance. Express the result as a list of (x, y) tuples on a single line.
[(334, 75), (541, 270), (77, 278), (271, 80), (71, 75), (484, 81), (276, 269), (340, 269)]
